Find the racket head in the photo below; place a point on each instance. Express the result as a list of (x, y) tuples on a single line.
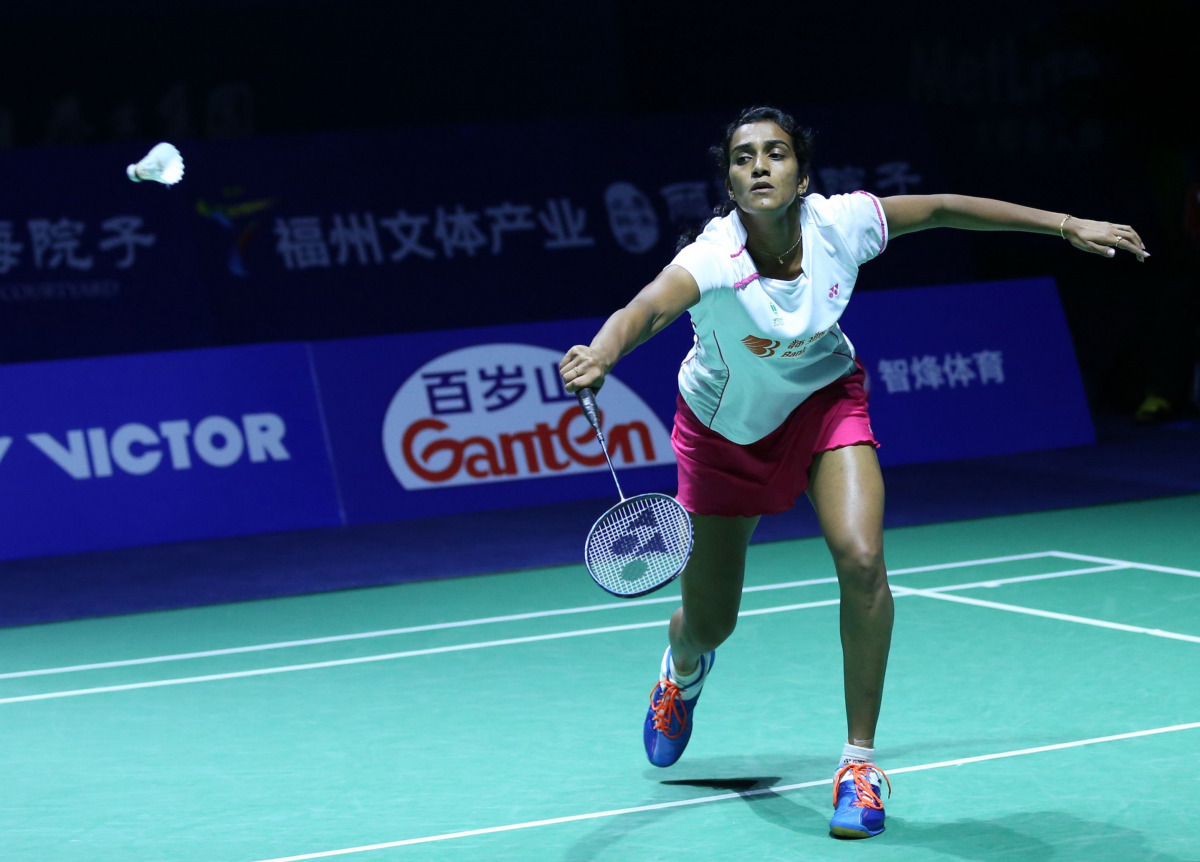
[(639, 545)]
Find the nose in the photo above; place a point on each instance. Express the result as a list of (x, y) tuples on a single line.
[(762, 167)]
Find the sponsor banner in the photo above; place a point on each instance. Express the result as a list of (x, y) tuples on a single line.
[(121, 451), (91, 263), (134, 450), (969, 370), (471, 420), (402, 245), (513, 435)]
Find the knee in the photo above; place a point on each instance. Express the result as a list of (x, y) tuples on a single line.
[(709, 631), (861, 569)]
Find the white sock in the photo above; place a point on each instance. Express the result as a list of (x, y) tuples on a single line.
[(857, 754), (684, 680)]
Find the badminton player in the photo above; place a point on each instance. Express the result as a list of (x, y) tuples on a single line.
[(771, 405)]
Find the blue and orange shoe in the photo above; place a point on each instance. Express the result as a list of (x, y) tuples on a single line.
[(858, 810), (668, 725)]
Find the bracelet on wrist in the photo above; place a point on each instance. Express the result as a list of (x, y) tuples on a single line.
[(1062, 224)]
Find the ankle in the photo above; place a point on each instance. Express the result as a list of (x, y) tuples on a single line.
[(683, 677), (852, 753)]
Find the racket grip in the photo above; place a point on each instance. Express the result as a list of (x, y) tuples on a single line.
[(587, 400)]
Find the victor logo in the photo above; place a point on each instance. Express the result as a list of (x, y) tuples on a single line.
[(137, 449)]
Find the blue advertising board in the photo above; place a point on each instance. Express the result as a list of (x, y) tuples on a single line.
[(473, 420), (133, 450), (968, 370), (103, 453)]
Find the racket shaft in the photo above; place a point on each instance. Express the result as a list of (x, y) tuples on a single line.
[(587, 401)]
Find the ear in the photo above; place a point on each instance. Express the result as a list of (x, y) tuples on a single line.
[(729, 188), (803, 184)]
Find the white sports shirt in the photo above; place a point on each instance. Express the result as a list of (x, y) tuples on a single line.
[(763, 345)]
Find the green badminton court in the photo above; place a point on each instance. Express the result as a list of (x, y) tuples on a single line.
[(1042, 703)]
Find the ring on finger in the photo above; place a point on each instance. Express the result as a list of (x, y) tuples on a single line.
[(1118, 242)]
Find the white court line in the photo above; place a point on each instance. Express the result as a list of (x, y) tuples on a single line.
[(1087, 558), (1050, 615), (317, 665), (133, 686), (704, 800), (898, 591), (608, 606), (1020, 579)]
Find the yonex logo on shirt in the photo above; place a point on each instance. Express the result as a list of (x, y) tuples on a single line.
[(833, 291), (760, 346)]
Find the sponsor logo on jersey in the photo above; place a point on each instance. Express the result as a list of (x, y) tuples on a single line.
[(760, 346)]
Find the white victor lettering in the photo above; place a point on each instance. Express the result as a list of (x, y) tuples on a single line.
[(121, 447), (264, 437), (211, 430), (177, 433), (138, 449), (98, 445), (73, 457)]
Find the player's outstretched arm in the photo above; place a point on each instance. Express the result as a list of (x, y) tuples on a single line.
[(652, 310), (909, 213)]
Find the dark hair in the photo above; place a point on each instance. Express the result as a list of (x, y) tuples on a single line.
[(802, 146)]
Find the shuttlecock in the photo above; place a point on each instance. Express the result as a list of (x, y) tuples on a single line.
[(162, 164)]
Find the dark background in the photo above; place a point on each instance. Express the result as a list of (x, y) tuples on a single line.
[(1083, 107)]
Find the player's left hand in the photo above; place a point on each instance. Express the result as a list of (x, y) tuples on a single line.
[(1104, 238)]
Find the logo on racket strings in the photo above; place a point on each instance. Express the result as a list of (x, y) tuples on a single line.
[(637, 538), (643, 537)]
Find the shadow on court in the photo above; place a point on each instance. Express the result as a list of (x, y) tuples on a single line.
[(802, 819), (731, 775), (1034, 837)]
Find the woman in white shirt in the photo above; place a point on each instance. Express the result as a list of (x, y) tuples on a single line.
[(772, 405)]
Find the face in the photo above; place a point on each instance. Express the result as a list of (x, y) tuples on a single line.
[(763, 171)]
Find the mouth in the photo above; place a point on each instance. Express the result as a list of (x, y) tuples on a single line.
[(762, 187)]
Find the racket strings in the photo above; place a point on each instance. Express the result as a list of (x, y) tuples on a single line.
[(639, 544)]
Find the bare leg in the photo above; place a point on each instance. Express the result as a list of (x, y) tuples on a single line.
[(712, 588), (846, 489)]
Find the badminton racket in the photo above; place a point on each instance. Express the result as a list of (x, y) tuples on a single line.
[(642, 543)]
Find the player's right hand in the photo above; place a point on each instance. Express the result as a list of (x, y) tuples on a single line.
[(582, 367)]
